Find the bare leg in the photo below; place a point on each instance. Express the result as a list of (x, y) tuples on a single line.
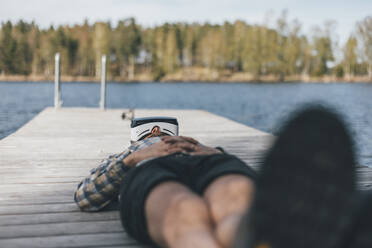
[(176, 217), (228, 199)]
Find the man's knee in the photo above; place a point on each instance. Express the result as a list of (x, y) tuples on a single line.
[(187, 207), (187, 213), (240, 185), (230, 194), (172, 209), (231, 186)]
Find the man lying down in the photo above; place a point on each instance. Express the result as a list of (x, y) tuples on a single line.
[(173, 191)]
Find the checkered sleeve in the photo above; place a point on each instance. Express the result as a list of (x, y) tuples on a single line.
[(102, 185)]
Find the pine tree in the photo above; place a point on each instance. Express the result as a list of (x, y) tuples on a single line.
[(8, 50)]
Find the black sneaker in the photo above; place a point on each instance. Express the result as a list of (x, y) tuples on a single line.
[(306, 188), (360, 235)]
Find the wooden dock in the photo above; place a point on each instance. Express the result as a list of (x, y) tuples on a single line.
[(42, 163)]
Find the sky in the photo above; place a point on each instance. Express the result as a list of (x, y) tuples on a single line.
[(310, 13)]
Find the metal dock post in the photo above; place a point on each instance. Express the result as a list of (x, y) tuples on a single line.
[(102, 103), (57, 85)]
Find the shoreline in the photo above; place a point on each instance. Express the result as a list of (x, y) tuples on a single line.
[(234, 78)]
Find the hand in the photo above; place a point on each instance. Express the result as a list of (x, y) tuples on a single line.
[(175, 139), (196, 148), (201, 149), (159, 149)]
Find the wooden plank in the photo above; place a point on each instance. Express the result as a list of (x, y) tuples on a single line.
[(81, 240), (41, 187), (55, 229), (42, 208), (43, 180), (45, 218), (20, 199)]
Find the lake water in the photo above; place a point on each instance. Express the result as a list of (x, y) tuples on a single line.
[(263, 106)]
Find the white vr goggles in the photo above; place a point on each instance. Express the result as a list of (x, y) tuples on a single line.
[(142, 127)]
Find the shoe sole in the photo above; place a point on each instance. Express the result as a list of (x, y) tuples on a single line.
[(306, 186)]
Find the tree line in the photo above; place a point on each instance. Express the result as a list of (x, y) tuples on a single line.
[(258, 50)]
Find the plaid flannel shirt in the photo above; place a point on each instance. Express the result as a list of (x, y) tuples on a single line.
[(102, 185)]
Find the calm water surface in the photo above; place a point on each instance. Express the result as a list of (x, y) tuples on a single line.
[(263, 106)]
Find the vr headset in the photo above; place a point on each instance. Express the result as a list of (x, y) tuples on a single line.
[(140, 128)]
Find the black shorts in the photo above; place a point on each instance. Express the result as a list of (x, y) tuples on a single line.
[(196, 172)]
